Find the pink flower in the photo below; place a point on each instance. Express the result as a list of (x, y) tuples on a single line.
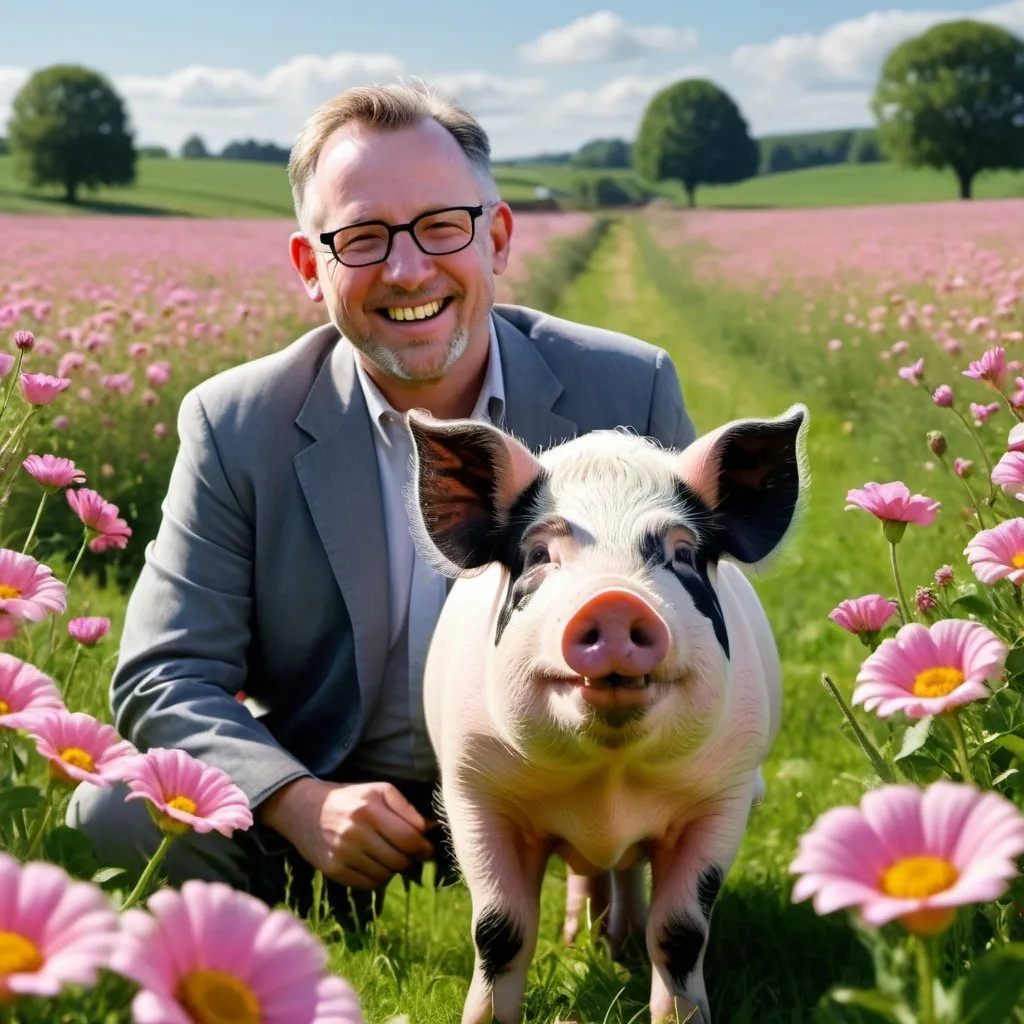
[(24, 340), (28, 590), (1008, 473), (982, 412), (924, 599), (963, 467), (893, 502), (1015, 439), (944, 575), (998, 553), (868, 614), (158, 374), (210, 945), (100, 516), (928, 670), (834, 345), (80, 748), (53, 471), (53, 931), (910, 855), (41, 388), (942, 396), (24, 692), (187, 793), (88, 631), (912, 373), (68, 362), (990, 367), (6, 362)]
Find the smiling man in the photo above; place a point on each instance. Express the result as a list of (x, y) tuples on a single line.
[(284, 565)]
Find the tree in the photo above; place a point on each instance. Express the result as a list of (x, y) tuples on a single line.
[(69, 127), (193, 148), (603, 153), (954, 97), (693, 131)]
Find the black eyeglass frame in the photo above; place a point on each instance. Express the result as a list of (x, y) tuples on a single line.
[(327, 237)]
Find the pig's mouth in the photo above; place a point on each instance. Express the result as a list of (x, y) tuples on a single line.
[(613, 691)]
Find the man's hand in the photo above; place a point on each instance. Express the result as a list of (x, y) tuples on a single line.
[(359, 834)]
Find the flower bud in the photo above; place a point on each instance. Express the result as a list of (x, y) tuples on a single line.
[(924, 599), (937, 442), (24, 340), (963, 467), (944, 575), (943, 396)]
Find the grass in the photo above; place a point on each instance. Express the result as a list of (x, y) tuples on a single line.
[(239, 188)]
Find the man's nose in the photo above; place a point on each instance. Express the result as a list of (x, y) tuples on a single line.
[(407, 266)]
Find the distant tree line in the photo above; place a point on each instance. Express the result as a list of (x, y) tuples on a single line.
[(194, 148)]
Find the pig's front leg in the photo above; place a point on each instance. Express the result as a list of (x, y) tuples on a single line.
[(504, 874), (685, 881)]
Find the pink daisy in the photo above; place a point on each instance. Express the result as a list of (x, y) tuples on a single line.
[(53, 931), (185, 793), (24, 692), (41, 388), (1015, 439), (911, 855), (80, 748), (867, 614), (990, 367), (926, 670), (28, 589), (53, 471), (893, 502), (211, 952), (942, 396), (913, 373), (998, 553), (101, 517), (1008, 473), (89, 631)]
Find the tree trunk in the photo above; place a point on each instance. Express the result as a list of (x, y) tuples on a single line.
[(691, 194), (71, 191), (964, 178)]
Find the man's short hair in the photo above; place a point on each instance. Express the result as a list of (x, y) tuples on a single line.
[(386, 108)]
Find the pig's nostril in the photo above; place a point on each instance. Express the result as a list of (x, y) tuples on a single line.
[(641, 636), (591, 636)]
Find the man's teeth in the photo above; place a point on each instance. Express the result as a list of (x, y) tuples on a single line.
[(415, 312)]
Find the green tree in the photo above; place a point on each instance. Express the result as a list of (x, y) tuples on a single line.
[(953, 97), (603, 153), (694, 132), (69, 127), (193, 148)]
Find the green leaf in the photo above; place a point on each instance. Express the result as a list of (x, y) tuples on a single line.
[(973, 605), (70, 848), (1014, 744), (105, 875), (877, 1002), (994, 986), (1015, 661), (914, 738), (16, 799)]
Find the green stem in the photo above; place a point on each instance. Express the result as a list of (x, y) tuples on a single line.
[(71, 672), (904, 607), (147, 876), (878, 762), (953, 718), (15, 376), (981, 448), (35, 523), (925, 982), (975, 502), (44, 819), (14, 437), (78, 557)]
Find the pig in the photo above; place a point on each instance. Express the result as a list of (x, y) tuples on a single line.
[(602, 684)]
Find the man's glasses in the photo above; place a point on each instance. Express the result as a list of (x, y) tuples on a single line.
[(436, 232)]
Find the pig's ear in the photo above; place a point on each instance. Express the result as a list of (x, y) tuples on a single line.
[(465, 479), (752, 474)]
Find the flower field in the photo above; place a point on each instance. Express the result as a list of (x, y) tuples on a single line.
[(879, 880)]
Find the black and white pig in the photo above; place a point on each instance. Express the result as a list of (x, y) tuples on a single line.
[(602, 683)]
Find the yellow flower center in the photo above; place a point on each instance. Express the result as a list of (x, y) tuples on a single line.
[(18, 955), (183, 803), (215, 997), (78, 758), (914, 878), (8, 592), (5, 708), (1018, 560), (938, 681)]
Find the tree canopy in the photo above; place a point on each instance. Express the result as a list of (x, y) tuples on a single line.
[(953, 97), (693, 131), (69, 127)]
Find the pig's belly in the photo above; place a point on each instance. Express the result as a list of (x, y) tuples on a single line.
[(583, 865)]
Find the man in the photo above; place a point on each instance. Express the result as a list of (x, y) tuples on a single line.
[(284, 567)]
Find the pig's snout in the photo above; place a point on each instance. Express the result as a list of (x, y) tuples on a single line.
[(615, 632)]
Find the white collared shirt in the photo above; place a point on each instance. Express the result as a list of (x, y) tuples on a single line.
[(394, 739)]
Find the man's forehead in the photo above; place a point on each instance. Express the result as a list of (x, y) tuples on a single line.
[(365, 174)]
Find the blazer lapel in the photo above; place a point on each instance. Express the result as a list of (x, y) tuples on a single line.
[(340, 478), (531, 389)]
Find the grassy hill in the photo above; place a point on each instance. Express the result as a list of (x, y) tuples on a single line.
[(226, 188)]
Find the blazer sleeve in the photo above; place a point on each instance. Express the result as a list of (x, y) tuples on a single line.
[(669, 421), (186, 636)]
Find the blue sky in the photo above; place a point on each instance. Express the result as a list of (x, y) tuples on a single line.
[(540, 75)]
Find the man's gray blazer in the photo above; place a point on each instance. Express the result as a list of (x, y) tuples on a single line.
[(269, 571)]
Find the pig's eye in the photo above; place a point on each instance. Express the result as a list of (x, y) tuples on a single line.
[(683, 552), (538, 555)]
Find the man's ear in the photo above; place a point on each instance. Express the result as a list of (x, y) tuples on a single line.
[(752, 474), (303, 260), (466, 477)]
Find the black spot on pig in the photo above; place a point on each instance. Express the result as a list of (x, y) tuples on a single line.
[(499, 938), (681, 944)]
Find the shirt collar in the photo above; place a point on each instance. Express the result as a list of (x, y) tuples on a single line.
[(490, 403)]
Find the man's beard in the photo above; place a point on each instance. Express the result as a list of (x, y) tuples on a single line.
[(393, 365)]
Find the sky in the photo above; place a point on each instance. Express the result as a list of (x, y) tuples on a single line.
[(540, 75)]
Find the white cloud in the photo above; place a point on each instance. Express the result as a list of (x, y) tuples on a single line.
[(604, 36), (484, 93)]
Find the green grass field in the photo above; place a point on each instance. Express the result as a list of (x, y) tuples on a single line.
[(225, 188)]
